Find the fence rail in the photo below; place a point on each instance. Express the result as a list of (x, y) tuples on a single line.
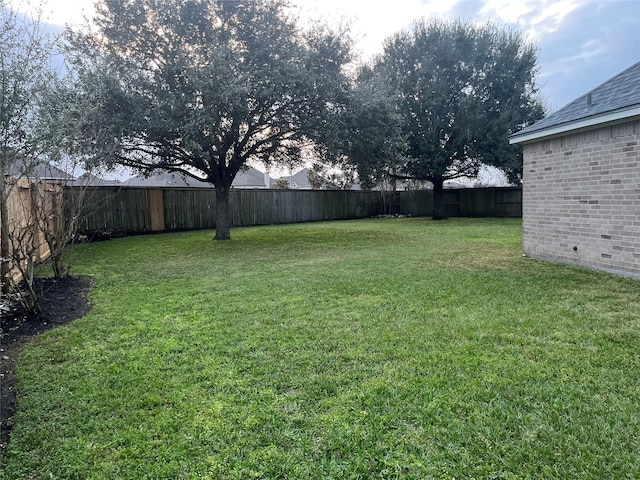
[(141, 210)]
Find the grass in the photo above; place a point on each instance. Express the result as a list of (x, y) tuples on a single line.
[(363, 349)]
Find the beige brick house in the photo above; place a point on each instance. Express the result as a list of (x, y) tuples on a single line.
[(581, 183)]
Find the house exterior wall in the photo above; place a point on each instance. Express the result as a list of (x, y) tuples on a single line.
[(581, 198)]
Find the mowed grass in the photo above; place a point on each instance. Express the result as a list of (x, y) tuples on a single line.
[(366, 349)]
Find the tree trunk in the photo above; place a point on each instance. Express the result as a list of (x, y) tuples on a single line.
[(438, 199), (223, 213), (5, 252)]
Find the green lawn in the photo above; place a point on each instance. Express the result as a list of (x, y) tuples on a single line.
[(363, 349)]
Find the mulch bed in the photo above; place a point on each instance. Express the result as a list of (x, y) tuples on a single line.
[(61, 301)]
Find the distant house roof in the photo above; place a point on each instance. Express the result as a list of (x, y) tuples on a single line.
[(165, 179), (89, 180), (250, 178), (43, 171), (617, 99), (300, 180), (49, 173)]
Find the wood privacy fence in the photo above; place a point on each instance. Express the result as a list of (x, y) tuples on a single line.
[(31, 207), (464, 202), (141, 210)]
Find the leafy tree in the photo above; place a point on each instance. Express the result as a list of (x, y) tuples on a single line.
[(460, 89), (367, 134), (374, 143), (201, 87), (26, 50), (341, 180), (321, 178), (315, 175), (281, 184)]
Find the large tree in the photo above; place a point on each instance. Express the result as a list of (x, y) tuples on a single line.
[(202, 87), (461, 89), (370, 135)]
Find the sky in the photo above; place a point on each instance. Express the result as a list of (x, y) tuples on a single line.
[(581, 43)]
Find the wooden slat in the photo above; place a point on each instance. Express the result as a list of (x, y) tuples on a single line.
[(138, 210)]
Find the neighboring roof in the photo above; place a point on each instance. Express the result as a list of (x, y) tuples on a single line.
[(300, 180), (39, 171), (165, 179), (47, 172), (89, 180), (615, 100), (250, 178)]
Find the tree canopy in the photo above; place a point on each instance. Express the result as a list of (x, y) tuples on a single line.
[(370, 135), (202, 87), (460, 90)]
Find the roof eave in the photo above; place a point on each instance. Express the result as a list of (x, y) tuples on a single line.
[(583, 124)]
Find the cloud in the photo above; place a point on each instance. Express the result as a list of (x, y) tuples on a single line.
[(551, 15), (593, 43), (373, 22), (506, 10), (582, 42), (57, 12)]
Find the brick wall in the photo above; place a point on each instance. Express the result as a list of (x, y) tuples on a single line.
[(581, 198)]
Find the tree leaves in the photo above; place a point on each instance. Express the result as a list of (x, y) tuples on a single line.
[(460, 90), (219, 81), (203, 87)]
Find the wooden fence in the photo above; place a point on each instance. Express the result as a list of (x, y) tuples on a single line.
[(141, 210), (464, 202), (31, 207)]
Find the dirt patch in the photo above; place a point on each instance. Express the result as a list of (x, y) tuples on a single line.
[(61, 300)]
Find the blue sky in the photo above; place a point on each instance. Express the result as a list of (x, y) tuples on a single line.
[(581, 43)]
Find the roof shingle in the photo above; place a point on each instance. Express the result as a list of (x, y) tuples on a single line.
[(619, 93)]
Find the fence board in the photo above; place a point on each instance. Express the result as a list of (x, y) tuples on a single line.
[(155, 199), (31, 207), (418, 203), (114, 208), (194, 208), (508, 202), (189, 208)]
